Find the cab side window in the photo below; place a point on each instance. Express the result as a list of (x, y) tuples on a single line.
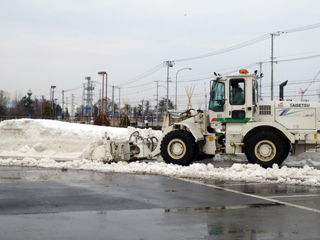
[(237, 92)]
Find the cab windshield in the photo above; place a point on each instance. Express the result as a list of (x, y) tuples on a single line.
[(217, 96)]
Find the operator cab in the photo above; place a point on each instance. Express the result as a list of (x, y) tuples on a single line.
[(233, 98)]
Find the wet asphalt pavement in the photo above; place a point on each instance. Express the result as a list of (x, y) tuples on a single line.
[(38, 203)]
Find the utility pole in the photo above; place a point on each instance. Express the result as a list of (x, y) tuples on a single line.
[(157, 104), (72, 107), (52, 97), (169, 64), (271, 67), (83, 98), (119, 107), (113, 105), (272, 37), (67, 104), (63, 112)]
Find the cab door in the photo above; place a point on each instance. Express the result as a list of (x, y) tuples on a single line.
[(240, 100)]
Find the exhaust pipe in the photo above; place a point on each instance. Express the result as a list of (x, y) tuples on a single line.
[(281, 86)]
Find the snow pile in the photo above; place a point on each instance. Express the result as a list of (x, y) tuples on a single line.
[(55, 139), (311, 159), (238, 172), (46, 140)]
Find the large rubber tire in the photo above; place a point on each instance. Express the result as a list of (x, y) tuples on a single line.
[(266, 148), (178, 147)]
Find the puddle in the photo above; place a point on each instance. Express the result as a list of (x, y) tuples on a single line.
[(214, 208)]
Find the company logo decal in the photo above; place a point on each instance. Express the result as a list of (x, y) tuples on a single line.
[(289, 112), (299, 104)]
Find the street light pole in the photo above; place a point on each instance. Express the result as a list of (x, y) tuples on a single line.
[(158, 98), (102, 100), (102, 105), (102, 118), (176, 102)]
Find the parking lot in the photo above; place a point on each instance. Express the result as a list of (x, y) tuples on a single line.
[(38, 203)]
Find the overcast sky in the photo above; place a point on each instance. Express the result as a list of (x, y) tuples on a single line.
[(52, 42)]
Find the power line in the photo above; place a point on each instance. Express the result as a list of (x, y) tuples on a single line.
[(249, 66), (297, 54), (294, 82), (139, 85), (235, 47), (317, 25), (146, 74), (296, 59), (241, 45), (248, 43)]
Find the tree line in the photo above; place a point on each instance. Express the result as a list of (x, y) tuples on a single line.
[(23, 106)]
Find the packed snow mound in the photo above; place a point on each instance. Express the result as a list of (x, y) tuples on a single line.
[(238, 172), (56, 139)]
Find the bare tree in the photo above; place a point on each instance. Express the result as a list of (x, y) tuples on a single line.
[(147, 108), (162, 105), (16, 108), (4, 98)]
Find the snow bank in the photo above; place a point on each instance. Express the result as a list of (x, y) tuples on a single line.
[(238, 172), (56, 139)]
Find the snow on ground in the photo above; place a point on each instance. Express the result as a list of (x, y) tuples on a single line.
[(46, 140), (56, 139)]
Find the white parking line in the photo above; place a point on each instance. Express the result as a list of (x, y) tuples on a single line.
[(296, 196), (251, 195)]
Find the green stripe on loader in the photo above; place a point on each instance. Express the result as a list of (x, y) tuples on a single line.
[(232, 120)]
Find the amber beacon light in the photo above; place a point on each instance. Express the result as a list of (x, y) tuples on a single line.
[(243, 71)]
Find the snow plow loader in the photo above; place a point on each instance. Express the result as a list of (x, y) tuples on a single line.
[(236, 123)]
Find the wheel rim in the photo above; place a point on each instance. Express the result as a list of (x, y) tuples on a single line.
[(265, 150), (176, 148)]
